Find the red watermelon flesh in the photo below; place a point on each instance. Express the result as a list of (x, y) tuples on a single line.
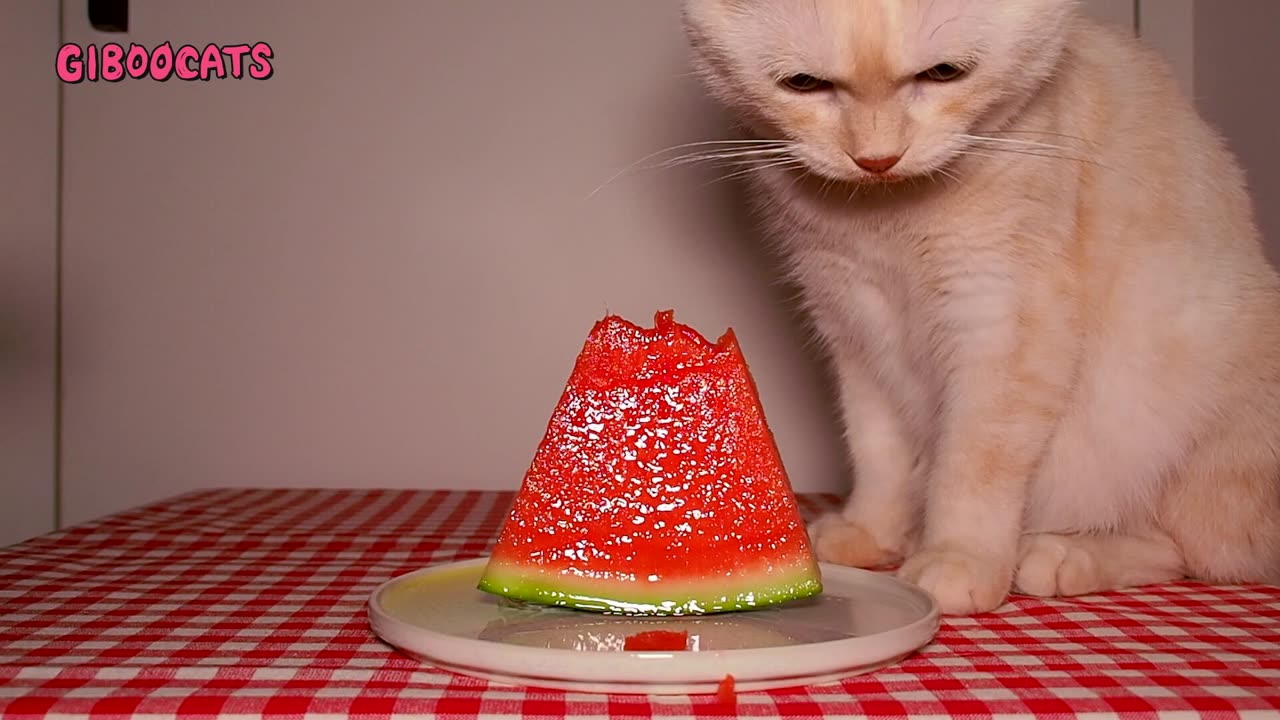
[(657, 488), (725, 692), (665, 640)]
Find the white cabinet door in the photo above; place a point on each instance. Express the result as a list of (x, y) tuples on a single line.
[(28, 268), (377, 267)]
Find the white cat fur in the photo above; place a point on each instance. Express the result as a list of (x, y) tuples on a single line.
[(1058, 349)]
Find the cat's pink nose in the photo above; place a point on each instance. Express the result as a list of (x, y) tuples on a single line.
[(877, 164)]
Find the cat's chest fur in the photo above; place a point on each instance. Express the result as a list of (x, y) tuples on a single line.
[(862, 288), (875, 300), (896, 292)]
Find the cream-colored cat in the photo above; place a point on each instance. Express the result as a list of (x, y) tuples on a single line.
[(1039, 280)]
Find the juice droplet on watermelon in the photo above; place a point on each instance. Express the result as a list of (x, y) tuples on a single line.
[(657, 488)]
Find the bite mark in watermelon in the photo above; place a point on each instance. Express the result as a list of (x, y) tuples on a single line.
[(657, 488)]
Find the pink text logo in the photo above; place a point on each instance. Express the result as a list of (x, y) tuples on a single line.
[(113, 63)]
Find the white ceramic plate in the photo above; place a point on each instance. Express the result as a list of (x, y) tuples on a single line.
[(862, 621)]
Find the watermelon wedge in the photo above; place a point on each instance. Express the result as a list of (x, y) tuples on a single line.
[(657, 488)]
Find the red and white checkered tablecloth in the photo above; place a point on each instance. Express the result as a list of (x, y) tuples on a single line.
[(237, 603)]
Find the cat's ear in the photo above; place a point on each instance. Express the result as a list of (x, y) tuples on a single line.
[(701, 15)]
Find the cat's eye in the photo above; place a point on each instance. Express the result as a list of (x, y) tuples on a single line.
[(805, 83), (942, 72)]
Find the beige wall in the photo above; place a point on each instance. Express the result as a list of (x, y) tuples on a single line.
[(1169, 27), (1237, 49), (375, 269), (28, 222), (1117, 12)]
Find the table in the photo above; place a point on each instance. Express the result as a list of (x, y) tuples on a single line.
[(244, 602)]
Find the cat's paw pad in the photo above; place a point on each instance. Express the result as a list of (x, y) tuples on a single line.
[(1055, 566), (961, 583), (841, 542)]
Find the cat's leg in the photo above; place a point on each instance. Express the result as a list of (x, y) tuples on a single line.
[(1053, 565), (1223, 508), (973, 515), (876, 525), (1220, 522), (1011, 365)]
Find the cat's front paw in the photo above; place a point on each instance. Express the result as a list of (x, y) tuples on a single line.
[(1055, 565), (960, 582), (842, 542)]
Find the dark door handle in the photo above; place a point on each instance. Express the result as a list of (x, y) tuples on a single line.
[(109, 15)]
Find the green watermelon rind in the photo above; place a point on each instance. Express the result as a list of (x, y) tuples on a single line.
[(672, 597)]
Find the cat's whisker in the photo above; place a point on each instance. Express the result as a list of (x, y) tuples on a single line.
[(974, 153), (738, 165), (825, 188), (1013, 141), (993, 151), (1045, 133), (1036, 152), (1032, 149), (945, 172), (739, 161), (789, 163), (799, 176), (708, 146), (730, 155), (725, 148)]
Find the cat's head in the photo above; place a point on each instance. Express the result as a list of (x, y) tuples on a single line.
[(856, 84)]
